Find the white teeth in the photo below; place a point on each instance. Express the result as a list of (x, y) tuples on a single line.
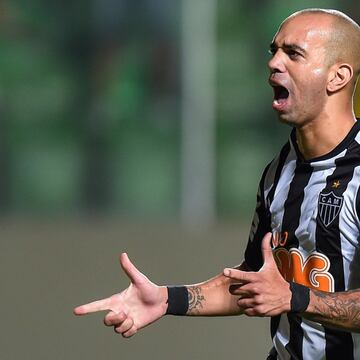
[(279, 102)]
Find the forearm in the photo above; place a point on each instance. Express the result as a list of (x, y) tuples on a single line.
[(338, 310), (212, 298)]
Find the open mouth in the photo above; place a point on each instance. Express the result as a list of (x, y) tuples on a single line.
[(281, 94)]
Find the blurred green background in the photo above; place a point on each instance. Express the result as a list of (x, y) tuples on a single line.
[(131, 125)]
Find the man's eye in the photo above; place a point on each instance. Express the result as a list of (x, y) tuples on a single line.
[(293, 54)]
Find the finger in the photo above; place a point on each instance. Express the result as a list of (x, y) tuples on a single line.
[(239, 275), (130, 270), (237, 289), (94, 306), (266, 249), (130, 332), (246, 303), (114, 319), (125, 326), (251, 312)]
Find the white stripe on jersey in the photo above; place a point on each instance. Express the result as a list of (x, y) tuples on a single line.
[(349, 238), (282, 190), (270, 176), (357, 138), (314, 340), (282, 337), (356, 340), (286, 172)]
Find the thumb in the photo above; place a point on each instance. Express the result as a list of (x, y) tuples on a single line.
[(266, 250), (130, 270)]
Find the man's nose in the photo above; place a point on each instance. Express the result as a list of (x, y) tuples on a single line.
[(276, 63)]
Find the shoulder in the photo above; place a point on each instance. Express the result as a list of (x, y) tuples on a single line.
[(274, 168)]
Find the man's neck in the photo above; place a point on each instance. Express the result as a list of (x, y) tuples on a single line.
[(318, 138)]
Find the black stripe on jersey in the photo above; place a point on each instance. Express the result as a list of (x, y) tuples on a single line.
[(275, 320), (339, 344), (292, 210), (282, 158), (253, 256), (290, 223)]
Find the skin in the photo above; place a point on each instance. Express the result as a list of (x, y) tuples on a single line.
[(299, 63), (312, 61), (144, 302)]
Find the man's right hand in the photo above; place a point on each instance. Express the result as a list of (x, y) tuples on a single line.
[(142, 303)]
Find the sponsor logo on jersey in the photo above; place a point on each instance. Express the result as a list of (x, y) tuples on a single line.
[(329, 207), (311, 271), (279, 238)]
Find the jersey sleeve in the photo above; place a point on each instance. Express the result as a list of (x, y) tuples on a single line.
[(261, 224)]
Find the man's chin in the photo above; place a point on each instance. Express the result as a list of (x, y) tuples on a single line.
[(285, 118)]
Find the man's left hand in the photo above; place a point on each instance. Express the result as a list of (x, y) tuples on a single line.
[(261, 293)]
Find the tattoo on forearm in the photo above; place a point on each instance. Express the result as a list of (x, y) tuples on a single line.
[(337, 309), (196, 300)]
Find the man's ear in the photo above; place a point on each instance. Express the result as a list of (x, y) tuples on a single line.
[(339, 77)]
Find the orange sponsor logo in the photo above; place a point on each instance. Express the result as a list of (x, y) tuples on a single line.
[(311, 271), (279, 238)]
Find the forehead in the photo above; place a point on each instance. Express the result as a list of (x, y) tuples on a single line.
[(307, 31)]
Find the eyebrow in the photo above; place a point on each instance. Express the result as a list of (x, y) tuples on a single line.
[(273, 47)]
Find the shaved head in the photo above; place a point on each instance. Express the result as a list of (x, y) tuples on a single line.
[(343, 37)]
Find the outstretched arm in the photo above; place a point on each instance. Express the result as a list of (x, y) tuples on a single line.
[(144, 302)]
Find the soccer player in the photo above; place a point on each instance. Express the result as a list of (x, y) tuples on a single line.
[(301, 264)]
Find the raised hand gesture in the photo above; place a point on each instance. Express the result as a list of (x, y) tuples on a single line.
[(142, 303), (262, 293)]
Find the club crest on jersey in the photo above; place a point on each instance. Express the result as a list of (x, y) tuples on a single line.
[(329, 207)]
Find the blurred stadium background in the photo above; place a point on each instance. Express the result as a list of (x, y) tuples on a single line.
[(139, 126)]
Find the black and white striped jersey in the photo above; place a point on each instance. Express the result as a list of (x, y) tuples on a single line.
[(313, 209)]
